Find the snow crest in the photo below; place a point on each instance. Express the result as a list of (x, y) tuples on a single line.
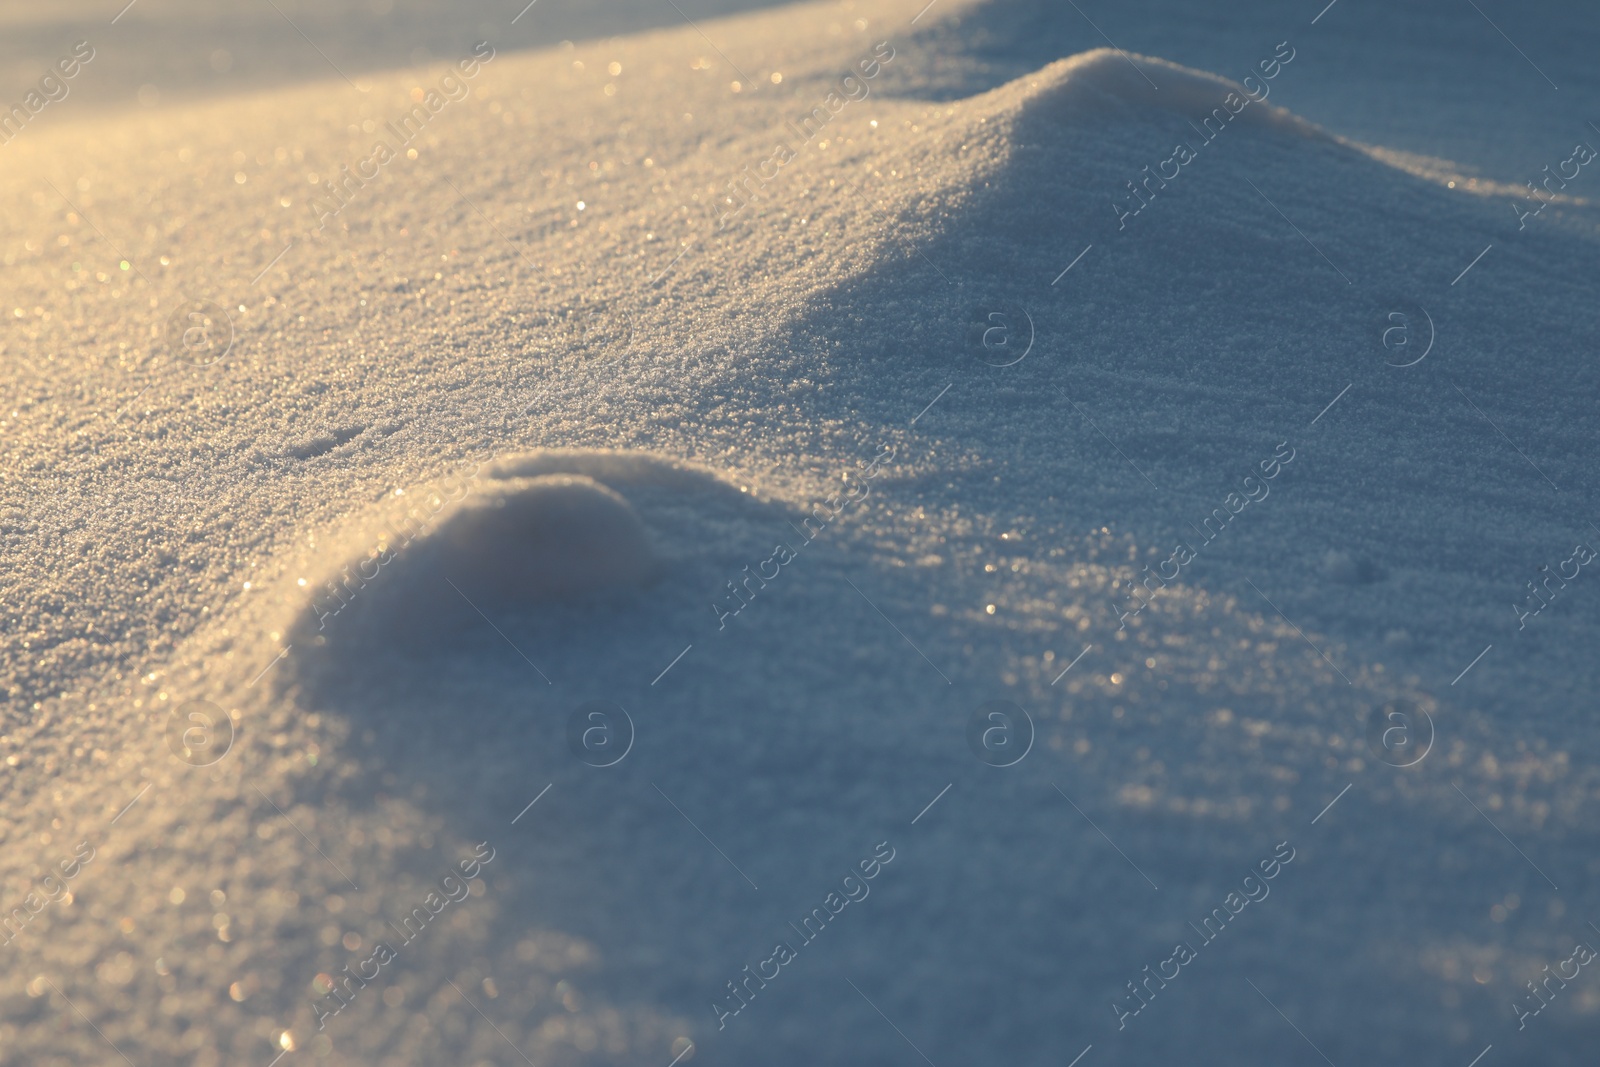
[(1105, 81)]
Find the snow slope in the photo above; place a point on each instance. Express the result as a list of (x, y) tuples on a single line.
[(776, 496)]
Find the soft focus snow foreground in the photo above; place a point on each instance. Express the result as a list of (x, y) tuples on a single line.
[(1069, 560)]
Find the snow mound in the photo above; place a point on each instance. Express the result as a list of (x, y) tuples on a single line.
[(1106, 81), (612, 466), (527, 534), (535, 538)]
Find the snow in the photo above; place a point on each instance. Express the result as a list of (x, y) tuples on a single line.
[(600, 423), (532, 538)]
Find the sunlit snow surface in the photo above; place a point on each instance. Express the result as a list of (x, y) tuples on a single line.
[(926, 583)]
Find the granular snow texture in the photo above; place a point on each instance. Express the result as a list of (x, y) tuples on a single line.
[(818, 406)]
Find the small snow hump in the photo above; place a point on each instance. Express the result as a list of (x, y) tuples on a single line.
[(554, 535), (489, 547), (1105, 82)]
